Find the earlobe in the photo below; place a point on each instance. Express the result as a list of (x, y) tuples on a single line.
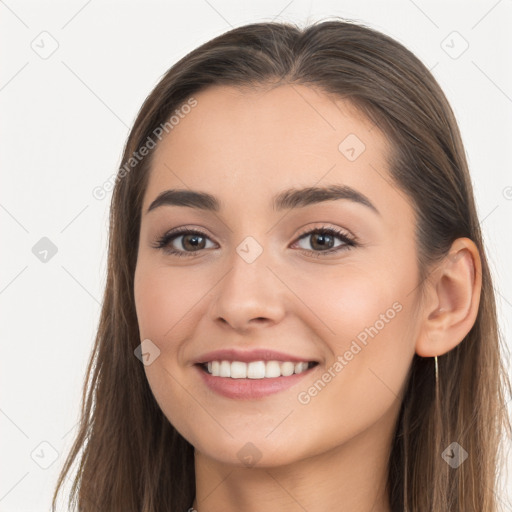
[(454, 299)]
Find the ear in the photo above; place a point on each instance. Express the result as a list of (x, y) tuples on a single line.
[(452, 300)]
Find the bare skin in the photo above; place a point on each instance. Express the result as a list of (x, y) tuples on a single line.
[(328, 451)]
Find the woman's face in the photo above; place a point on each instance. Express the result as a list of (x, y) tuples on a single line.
[(256, 279)]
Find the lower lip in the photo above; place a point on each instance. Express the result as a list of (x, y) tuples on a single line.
[(247, 389)]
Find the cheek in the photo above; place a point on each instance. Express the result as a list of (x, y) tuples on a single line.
[(366, 321), (165, 300), (371, 351), (348, 299), (164, 303)]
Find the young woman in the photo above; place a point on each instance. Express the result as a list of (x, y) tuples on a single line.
[(299, 313)]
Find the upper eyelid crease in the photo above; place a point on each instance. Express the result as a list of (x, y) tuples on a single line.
[(349, 240), (287, 199)]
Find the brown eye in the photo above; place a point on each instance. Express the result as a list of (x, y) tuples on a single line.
[(191, 241), (323, 241)]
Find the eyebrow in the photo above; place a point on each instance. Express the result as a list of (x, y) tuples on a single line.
[(288, 199)]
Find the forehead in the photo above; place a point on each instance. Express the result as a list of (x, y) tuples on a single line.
[(238, 143)]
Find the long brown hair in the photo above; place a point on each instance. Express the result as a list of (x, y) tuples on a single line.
[(130, 458)]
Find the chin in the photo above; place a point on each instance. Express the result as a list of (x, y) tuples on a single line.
[(249, 452)]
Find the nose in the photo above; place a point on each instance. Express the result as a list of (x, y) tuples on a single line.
[(250, 294)]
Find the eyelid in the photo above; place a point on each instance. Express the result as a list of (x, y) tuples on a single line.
[(326, 227), (174, 233), (347, 237), (348, 240), (183, 230)]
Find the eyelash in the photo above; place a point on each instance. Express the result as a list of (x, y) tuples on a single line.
[(164, 241)]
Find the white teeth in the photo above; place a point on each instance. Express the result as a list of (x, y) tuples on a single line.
[(287, 368), (301, 367), (272, 369), (225, 369), (255, 369), (238, 370)]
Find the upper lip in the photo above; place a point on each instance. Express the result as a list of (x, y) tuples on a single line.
[(247, 356)]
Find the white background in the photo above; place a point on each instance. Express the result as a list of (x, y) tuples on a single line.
[(64, 120)]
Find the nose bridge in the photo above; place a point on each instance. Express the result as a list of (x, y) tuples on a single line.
[(249, 275), (249, 290)]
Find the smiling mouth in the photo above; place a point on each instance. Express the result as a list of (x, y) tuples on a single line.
[(255, 369)]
